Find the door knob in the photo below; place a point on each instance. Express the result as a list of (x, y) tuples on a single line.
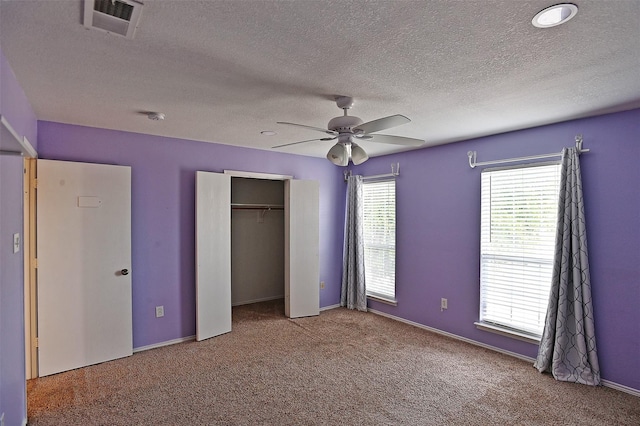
[(124, 272)]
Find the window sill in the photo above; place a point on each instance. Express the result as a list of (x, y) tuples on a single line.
[(392, 302), (492, 328)]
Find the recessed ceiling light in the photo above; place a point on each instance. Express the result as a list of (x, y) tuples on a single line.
[(554, 15), (268, 133)]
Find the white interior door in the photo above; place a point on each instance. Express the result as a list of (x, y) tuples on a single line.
[(302, 241), (213, 254), (84, 259)]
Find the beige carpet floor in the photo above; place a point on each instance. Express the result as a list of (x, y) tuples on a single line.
[(341, 368)]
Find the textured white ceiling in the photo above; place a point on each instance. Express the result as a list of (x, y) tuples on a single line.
[(222, 71)]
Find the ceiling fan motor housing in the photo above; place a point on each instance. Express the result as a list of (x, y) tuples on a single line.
[(344, 124)]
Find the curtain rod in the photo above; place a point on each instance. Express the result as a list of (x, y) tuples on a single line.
[(253, 206), (473, 163), (395, 171)]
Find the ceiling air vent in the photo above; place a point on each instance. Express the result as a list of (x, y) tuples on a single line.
[(119, 17)]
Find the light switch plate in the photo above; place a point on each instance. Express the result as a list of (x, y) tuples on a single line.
[(16, 243)]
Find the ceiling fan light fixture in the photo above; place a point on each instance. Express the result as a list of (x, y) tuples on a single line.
[(358, 155), (339, 154)]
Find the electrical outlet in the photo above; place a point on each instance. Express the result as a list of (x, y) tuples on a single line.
[(321, 285), (159, 311), (443, 304)]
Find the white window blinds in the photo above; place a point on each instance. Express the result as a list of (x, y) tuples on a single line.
[(518, 226), (380, 238)]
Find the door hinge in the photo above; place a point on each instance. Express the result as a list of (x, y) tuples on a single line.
[(35, 263), (35, 342), (35, 183)]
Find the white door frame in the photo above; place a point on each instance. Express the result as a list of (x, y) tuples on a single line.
[(257, 175), (29, 253)]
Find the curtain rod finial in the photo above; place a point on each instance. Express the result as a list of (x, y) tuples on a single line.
[(472, 159)]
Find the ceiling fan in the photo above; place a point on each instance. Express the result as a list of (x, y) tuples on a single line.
[(348, 128)]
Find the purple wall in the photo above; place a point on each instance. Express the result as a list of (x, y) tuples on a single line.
[(163, 212), (438, 224), (15, 107), (438, 232)]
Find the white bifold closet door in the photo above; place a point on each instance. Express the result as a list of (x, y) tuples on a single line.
[(301, 245), (213, 252), (84, 262)]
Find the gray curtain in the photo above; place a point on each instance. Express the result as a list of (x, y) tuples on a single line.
[(353, 294), (568, 345)]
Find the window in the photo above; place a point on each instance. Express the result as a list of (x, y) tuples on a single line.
[(518, 226), (380, 238)]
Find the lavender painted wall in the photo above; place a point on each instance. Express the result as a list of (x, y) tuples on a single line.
[(15, 107), (438, 232), (438, 224), (12, 361), (163, 211)]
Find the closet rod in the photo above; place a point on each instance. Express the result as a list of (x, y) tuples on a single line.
[(473, 163), (251, 206)]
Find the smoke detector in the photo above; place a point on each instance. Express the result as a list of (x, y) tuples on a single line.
[(155, 116), (118, 17)]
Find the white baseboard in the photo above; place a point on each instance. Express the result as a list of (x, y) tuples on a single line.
[(326, 308), (454, 336), (190, 338), (621, 388), (606, 383), (264, 299), (166, 343)]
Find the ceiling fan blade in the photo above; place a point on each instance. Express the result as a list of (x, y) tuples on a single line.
[(309, 140), (396, 140), (318, 129), (382, 124)]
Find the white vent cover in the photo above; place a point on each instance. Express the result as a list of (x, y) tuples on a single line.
[(119, 17)]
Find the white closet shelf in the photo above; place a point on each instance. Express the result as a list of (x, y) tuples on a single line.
[(11, 143), (254, 206)]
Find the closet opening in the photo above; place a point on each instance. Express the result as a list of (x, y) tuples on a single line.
[(257, 241), (268, 262)]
